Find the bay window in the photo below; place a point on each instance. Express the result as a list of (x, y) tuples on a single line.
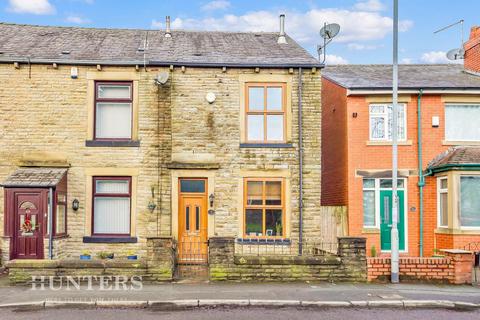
[(461, 122), (442, 202), (381, 117), (113, 111), (470, 201), (111, 205)]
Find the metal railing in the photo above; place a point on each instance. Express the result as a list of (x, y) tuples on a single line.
[(192, 250), (269, 247)]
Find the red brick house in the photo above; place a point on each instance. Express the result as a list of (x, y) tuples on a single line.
[(439, 135)]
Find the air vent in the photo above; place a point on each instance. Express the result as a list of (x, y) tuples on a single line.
[(65, 52), (197, 54)]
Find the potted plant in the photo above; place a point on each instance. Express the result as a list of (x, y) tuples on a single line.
[(131, 255), (373, 251), (85, 255), (106, 255)]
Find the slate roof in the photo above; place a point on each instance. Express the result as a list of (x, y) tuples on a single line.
[(44, 44), (35, 177), (411, 76), (456, 156)]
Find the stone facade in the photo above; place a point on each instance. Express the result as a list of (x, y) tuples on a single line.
[(44, 120), (348, 264)]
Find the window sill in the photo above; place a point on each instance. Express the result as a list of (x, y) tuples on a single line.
[(460, 143), (266, 145), (61, 236), (263, 241), (457, 231), (389, 143), (103, 239), (371, 230), (115, 143)]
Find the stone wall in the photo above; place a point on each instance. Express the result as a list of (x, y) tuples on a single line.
[(160, 258), (44, 118), (349, 264), (456, 268)]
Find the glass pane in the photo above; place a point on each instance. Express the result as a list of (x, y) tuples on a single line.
[(470, 201), (273, 193), (369, 183), (61, 197), (444, 209), (112, 186), (401, 122), (275, 127), (273, 222), (274, 99), (111, 215), (377, 127), (461, 122), (377, 109), (197, 218), (255, 128), (254, 193), (256, 99), (187, 218), (253, 222), (192, 186), (387, 183), (113, 121), (60, 221), (444, 183), (369, 208), (107, 91)]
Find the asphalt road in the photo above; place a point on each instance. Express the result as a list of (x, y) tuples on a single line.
[(234, 314)]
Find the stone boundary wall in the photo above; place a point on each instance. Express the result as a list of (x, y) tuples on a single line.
[(454, 268), (157, 267), (349, 264)]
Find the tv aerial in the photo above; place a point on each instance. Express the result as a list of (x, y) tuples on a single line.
[(327, 32), (457, 53)]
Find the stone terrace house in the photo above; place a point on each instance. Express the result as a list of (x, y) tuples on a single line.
[(111, 137), (439, 110)]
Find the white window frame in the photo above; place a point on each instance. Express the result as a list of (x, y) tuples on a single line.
[(460, 201), (385, 117), (440, 191), (445, 120), (376, 211)]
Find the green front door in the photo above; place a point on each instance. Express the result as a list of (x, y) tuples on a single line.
[(386, 219)]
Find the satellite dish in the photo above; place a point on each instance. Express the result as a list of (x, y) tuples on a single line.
[(456, 54), (162, 78), (329, 31)]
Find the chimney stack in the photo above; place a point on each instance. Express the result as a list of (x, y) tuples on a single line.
[(281, 36), (472, 51), (168, 32)]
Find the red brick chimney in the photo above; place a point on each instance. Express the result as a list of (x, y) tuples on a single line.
[(472, 51)]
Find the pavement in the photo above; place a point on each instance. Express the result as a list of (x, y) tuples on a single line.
[(181, 295)]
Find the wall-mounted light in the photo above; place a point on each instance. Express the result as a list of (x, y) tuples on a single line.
[(151, 206), (211, 198), (75, 204)]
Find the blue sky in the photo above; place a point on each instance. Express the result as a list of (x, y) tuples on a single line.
[(365, 36)]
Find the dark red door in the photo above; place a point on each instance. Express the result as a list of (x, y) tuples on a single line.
[(29, 210)]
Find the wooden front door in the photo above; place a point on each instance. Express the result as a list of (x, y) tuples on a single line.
[(29, 208), (192, 222)]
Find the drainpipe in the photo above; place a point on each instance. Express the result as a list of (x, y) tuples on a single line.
[(50, 223), (300, 164), (421, 177)]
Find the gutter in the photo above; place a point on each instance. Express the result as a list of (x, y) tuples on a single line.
[(300, 164), (159, 63), (421, 181), (450, 167), (469, 90)]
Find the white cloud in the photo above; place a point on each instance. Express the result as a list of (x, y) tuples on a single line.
[(77, 19), (356, 26), (406, 61), (333, 59), (360, 46), (369, 5), (437, 57), (31, 6), (216, 5)]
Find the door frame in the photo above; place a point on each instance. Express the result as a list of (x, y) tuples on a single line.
[(11, 217), (405, 206)]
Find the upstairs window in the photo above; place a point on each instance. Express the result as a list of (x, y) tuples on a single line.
[(265, 112), (381, 118), (113, 111), (461, 122)]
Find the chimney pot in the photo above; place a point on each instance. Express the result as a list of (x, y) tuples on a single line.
[(168, 32), (281, 37)]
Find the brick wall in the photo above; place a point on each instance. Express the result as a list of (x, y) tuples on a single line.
[(472, 51), (455, 268)]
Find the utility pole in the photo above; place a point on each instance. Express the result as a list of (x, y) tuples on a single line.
[(394, 231)]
